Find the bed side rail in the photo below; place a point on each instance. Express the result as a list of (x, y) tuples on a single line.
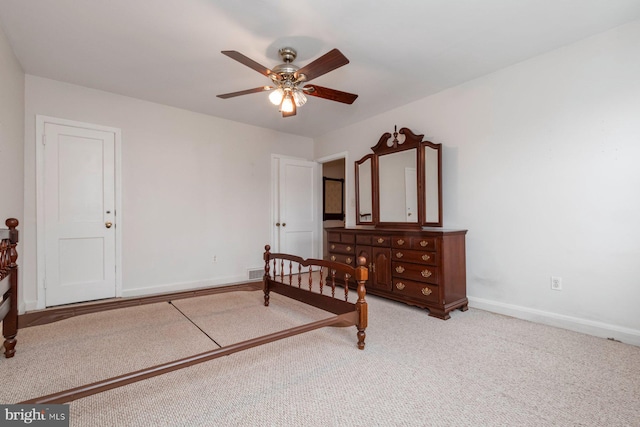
[(9, 285)]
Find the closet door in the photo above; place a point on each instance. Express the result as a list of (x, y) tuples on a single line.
[(296, 208)]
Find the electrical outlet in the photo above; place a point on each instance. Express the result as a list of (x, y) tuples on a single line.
[(556, 283), (215, 259)]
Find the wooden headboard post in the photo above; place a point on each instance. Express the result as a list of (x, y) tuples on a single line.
[(9, 267), (362, 274), (266, 289)]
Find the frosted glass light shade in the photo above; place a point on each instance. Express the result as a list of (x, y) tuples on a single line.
[(299, 98), (287, 104), (276, 96)]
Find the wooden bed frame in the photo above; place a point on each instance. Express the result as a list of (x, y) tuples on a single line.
[(284, 275), (9, 286)]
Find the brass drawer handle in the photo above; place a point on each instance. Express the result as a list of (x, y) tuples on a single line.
[(400, 285), (333, 247), (426, 291), (399, 254), (425, 257), (333, 257), (380, 240), (426, 273), (348, 260), (423, 243), (348, 248), (400, 242), (400, 269)]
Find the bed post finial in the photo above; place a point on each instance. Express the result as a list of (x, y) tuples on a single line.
[(10, 322), (265, 286), (362, 274)]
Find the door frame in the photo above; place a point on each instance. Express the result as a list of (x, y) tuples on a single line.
[(347, 206), (41, 120)]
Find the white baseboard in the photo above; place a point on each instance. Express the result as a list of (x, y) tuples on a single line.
[(599, 329), (182, 286)]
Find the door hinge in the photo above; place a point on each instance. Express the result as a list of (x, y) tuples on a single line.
[(44, 282), (44, 139)]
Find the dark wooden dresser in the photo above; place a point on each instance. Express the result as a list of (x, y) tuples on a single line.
[(424, 268)]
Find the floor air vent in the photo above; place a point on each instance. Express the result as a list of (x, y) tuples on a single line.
[(256, 274)]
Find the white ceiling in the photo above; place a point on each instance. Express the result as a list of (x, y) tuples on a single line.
[(168, 51)]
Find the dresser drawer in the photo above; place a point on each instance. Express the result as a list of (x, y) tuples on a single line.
[(333, 236), (338, 237), (422, 273), (345, 259), (419, 257), (423, 243), (363, 239), (381, 240), (342, 248), (422, 291), (348, 238)]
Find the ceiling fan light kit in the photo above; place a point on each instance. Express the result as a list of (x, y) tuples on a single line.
[(287, 91)]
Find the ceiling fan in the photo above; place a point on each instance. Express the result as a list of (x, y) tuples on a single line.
[(287, 90)]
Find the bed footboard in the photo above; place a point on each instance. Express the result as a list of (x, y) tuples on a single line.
[(315, 282), (9, 286)]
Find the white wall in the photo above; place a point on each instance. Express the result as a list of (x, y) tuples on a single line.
[(193, 186), (541, 166), (11, 133)]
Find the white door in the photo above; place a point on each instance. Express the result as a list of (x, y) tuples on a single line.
[(411, 189), (297, 219), (79, 214)]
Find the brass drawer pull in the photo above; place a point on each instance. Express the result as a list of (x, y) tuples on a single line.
[(380, 240), (333, 247), (348, 260), (426, 273), (426, 291), (348, 248), (400, 242), (400, 285), (425, 257), (423, 243), (399, 254), (400, 269), (333, 257)]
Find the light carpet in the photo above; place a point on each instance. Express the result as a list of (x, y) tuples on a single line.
[(476, 369)]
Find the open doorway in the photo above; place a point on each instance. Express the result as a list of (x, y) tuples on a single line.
[(334, 197)]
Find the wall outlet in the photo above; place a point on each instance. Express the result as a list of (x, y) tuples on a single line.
[(556, 283), (215, 259)]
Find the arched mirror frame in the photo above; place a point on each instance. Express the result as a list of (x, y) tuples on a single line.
[(387, 145)]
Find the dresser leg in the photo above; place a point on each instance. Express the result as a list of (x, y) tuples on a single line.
[(440, 314)]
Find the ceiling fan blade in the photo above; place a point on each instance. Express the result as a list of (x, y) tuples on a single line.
[(245, 92), (330, 94), (292, 113), (247, 61), (327, 62)]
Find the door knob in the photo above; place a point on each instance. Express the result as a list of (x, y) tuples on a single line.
[(284, 224), (108, 224), (277, 224)]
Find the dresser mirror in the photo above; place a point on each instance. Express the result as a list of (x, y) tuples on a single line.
[(399, 185), (364, 187)]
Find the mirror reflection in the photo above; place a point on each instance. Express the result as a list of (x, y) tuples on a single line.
[(431, 185), (365, 193), (398, 187)]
